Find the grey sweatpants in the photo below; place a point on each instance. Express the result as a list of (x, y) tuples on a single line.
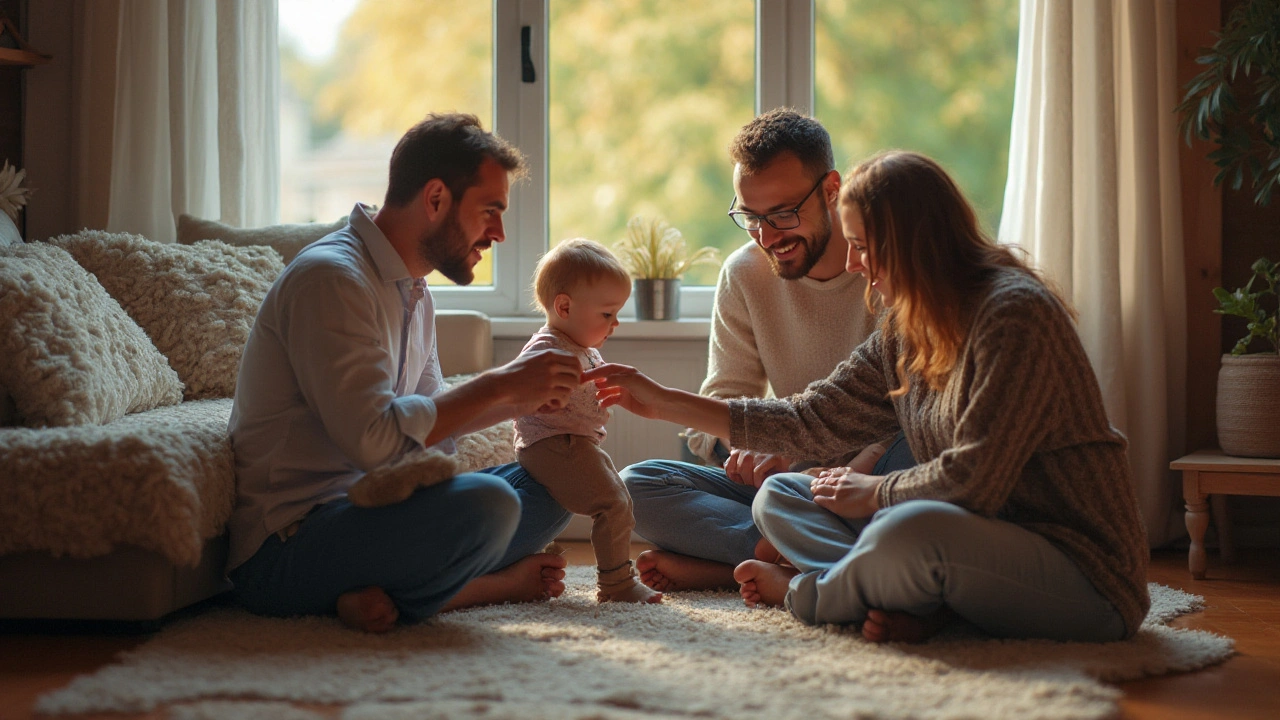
[(917, 556)]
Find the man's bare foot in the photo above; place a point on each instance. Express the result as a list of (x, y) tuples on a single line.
[(881, 626), (766, 552), (530, 579), (633, 592), (763, 583), (369, 610), (668, 572)]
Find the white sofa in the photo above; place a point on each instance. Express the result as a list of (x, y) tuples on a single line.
[(120, 515)]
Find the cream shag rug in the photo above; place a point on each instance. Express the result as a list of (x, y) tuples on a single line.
[(702, 655)]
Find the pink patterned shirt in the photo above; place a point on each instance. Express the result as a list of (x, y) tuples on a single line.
[(582, 414)]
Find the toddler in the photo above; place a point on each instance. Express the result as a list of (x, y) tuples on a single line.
[(580, 286)]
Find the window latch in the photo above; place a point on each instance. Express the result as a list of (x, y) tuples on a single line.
[(527, 72)]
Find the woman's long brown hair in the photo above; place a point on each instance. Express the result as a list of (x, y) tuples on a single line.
[(924, 235)]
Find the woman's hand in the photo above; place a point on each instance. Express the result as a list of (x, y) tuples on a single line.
[(628, 388), (846, 493), (751, 468), (631, 389)]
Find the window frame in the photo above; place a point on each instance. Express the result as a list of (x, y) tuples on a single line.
[(784, 62)]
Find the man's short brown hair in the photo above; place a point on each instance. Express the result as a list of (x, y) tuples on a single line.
[(779, 131), (448, 146)]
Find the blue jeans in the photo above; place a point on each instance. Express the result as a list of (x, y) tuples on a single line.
[(919, 555), (697, 510), (421, 551)]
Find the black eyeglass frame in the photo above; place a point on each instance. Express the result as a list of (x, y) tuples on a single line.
[(741, 216)]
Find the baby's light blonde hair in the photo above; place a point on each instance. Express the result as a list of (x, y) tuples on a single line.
[(571, 264)]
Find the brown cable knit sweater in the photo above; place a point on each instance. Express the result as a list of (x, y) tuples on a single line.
[(1019, 433)]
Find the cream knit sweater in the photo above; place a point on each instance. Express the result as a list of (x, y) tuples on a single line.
[(1019, 432), (767, 332)]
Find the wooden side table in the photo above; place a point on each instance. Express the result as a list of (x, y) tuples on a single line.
[(1210, 472)]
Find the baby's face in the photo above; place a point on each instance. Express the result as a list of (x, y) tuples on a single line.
[(593, 312)]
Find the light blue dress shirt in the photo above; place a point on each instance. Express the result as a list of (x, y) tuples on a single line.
[(336, 379)]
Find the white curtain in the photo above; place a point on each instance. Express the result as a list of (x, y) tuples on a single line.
[(1093, 195), (196, 115)]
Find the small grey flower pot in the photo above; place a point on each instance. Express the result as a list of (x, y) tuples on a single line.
[(656, 299)]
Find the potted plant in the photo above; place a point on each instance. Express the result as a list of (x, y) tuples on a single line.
[(656, 256), (1249, 382), (1242, 121), (13, 196)]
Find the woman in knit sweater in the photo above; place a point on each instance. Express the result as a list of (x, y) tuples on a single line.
[(1020, 516)]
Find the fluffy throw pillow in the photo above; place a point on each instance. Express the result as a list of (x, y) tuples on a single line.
[(9, 235), (288, 240), (72, 355), (197, 302)]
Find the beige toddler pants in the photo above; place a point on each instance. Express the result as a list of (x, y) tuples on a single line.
[(581, 477)]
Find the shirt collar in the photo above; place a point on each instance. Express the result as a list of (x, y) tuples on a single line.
[(390, 266)]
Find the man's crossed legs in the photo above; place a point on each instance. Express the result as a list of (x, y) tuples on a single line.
[(476, 539)]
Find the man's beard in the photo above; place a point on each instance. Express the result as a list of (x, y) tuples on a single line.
[(448, 250), (813, 247)]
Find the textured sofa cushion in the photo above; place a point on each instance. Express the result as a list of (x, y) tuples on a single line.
[(288, 240), (71, 354), (9, 235), (197, 302), (162, 480)]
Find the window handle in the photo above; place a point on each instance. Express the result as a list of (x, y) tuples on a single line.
[(527, 72)]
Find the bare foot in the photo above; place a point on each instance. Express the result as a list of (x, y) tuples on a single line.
[(633, 592), (369, 610), (667, 572), (766, 552), (530, 579), (881, 626), (763, 583)]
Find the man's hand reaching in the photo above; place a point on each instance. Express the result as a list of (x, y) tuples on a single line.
[(537, 382)]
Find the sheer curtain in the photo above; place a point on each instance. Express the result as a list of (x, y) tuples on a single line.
[(1093, 195), (196, 115)]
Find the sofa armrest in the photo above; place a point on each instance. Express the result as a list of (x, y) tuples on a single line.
[(465, 342)]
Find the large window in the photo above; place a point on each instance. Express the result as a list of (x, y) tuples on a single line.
[(644, 98), (935, 76), (356, 75), (633, 104)]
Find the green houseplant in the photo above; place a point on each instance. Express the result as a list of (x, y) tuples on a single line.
[(1249, 382), (1258, 307), (656, 256), (1234, 103), (1245, 126)]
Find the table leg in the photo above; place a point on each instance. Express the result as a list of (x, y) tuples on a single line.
[(1197, 519), (1222, 521)]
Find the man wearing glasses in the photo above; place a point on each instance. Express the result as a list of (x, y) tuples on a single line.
[(786, 313)]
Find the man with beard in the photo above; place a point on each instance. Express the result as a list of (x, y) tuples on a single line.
[(341, 375), (786, 313)]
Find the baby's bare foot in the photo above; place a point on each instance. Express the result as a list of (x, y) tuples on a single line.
[(530, 579), (881, 626), (632, 592), (369, 610), (668, 572), (762, 583)]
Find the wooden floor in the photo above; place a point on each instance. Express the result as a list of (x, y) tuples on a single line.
[(1243, 602)]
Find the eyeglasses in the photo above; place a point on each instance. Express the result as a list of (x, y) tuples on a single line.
[(780, 220)]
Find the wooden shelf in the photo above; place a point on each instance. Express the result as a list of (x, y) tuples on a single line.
[(22, 58)]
